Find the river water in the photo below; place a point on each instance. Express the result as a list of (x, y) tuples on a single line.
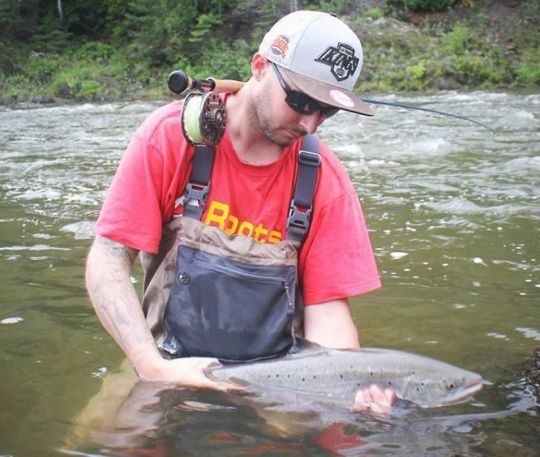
[(453, 211)]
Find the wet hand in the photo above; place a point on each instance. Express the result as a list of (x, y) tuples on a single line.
[(375, 399), (186, 372)]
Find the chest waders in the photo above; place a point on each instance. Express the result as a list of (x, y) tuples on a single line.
[(207, 293)]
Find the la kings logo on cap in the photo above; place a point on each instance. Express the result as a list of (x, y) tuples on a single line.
[(342, 61)]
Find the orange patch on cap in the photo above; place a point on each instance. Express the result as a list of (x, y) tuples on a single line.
[(280, 46)]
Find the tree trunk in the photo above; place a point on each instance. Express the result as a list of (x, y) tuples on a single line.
[(60, 10)]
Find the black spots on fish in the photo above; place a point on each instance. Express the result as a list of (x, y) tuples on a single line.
[(341, 376), (449, 385)]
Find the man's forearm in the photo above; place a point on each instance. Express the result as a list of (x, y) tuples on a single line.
[(115, 300), (113, 296), (330, 324)]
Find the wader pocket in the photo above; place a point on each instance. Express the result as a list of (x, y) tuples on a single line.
[(230, 310)]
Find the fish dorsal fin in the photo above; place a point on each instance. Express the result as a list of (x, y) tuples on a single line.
[(302, 344), (303, 347)]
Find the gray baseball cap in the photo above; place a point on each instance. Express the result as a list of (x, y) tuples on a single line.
[(321, 55)]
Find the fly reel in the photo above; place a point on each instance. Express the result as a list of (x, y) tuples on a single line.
[(203, 118), (204, 115)]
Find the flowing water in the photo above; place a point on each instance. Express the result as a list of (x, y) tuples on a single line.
[(453, 211)]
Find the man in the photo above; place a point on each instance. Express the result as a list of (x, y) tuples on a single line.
[(304, 71)]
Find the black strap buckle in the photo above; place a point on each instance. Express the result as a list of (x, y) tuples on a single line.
[(298, 221), (312, 159), (194, 200), (195, 195), (309, 161)]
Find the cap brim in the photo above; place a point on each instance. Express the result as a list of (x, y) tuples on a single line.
[(328, 94)]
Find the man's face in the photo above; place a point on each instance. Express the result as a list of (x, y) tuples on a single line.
[(276, 120)]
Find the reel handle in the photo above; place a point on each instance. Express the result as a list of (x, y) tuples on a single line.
[(179, 82), (227, 85)]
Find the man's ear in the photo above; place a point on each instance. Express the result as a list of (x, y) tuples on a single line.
[(259, 66)]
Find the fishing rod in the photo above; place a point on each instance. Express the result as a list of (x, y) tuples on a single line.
[(204, 115), (179, 82), (428, 110)]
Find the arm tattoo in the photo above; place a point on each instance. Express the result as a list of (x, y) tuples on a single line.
[(113, 296), (116, 249)]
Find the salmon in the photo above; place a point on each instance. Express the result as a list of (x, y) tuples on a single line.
[(336, 375)]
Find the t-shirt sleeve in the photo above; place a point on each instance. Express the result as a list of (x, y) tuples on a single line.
[(153, 169), (131, 213), (337, 260)]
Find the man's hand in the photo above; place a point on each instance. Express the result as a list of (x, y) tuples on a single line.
[(375, 399), (186, 372)]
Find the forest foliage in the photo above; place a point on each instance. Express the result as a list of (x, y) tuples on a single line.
[(110, 49)]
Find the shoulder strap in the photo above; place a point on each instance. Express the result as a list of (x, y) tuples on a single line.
[(309, 161), (198, 186)]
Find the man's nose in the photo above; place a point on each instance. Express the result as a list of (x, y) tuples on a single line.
[(310, 122)]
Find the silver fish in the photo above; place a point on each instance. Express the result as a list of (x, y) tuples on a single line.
[(336, 375)]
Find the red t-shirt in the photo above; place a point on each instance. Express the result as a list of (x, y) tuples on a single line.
[(336, 259)]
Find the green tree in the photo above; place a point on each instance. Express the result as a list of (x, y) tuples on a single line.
[(423, 5), (18, 18), (163, 31)]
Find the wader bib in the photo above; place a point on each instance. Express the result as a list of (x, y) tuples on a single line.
[(210, 294)]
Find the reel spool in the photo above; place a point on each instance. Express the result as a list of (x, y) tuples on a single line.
[(203, 118), (204, 115)]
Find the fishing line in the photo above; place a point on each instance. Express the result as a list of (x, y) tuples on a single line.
[(191, 119), (203, 118), (428, 110)]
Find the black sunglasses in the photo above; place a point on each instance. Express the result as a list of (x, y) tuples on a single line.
[(303, 103)]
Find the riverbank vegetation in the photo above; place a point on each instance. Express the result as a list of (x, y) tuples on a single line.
[(114, 49)]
